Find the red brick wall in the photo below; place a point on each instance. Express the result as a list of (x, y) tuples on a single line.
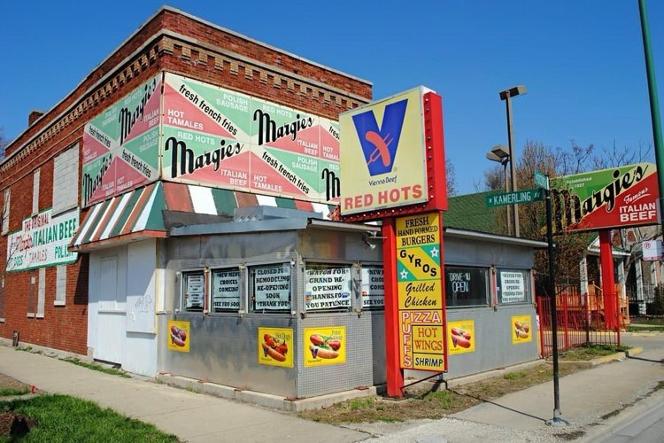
[(65, 327)]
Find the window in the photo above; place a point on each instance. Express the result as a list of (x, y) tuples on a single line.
[(466, 286), (193, 291), (35, 192), (2, 299), (60, 285), (327, 287), (513, 286), (373, 288), (225, 290), (271, 287), (6, 201), (41, 293), (65, 180)]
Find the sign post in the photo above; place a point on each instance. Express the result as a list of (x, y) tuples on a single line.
[(392, 167), (543, 181)]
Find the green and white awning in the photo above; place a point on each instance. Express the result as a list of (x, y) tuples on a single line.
[(138, 214)]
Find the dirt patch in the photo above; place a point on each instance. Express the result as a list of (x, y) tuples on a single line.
[(14, 425), (423, 401), (10, 386), (569, 436)]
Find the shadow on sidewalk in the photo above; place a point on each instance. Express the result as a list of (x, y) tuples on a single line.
[(646, 359), (482, 400)]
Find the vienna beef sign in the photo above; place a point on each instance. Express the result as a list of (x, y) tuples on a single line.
[(608, 198), (383, 153), (392, 168)]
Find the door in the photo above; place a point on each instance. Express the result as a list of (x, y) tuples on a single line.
[(111, 333)]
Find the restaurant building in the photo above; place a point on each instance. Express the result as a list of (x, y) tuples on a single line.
[(177, 212)]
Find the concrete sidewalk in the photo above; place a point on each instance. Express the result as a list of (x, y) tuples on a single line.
[(192, 417), (588, 399)]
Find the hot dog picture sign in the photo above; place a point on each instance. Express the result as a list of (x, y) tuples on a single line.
[(461, 336), (324, 346), (178, 336), (275, 347), (522, 329)]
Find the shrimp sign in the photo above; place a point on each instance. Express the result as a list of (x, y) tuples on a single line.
[(384, 150)]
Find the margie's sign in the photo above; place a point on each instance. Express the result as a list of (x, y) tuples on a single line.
[(608, 198)]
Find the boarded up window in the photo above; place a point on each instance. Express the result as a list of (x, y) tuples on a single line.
[(35, 192), (41, 293), (61, 285), (65, 180), (5, 210)]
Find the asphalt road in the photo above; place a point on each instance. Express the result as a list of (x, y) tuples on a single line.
[(645, 424)]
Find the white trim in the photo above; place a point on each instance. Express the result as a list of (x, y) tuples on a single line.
[(88, 221), (115, 216), (202, 200), (143, 218), (103, 216), (266, 200)]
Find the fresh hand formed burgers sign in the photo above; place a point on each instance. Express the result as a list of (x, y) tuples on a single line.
[(202, 134), (384, 154), (608, 198)]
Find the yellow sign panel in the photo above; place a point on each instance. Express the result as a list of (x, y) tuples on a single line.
[(178, 336), (420, 294), (461, 337), (522, 329), (421, 340), (383, 154), (275, 347), (324, 346)]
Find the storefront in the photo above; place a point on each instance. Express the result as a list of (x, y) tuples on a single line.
[(197, 200)]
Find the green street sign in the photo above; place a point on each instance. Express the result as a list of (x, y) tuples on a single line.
[(514, 198), (541, 180)]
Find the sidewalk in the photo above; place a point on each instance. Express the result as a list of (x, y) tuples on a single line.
[(588, 399), (192, 417)]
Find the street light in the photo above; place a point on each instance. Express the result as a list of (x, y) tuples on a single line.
[(506, 95), (500, 154)]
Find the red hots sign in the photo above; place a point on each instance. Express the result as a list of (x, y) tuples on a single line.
[(608, 198)]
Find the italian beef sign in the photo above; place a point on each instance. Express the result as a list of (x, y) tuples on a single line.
[(607, 198)]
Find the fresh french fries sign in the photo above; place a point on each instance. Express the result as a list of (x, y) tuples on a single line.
[(178, 336), (461, 337), (275, 347), (522, 329), (420, 293), (324, 346)]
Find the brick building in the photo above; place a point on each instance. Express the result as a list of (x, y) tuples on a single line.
[(45, 188)]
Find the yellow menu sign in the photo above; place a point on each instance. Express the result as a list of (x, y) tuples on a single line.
[(420, 292)]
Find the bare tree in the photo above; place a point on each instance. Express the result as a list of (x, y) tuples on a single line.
[(450, 177)]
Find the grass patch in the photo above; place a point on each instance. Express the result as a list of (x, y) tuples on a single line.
[(96, 367), (645, 327), (61, 418), (589, 352), (9, 392), (433, 404), (653, 321)]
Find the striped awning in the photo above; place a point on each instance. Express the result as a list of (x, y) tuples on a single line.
[(138, 214)]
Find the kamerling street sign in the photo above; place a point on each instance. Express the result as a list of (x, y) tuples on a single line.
[(513, 198)]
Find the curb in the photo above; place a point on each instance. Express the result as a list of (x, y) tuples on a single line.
[(618, 356), (262, 399)]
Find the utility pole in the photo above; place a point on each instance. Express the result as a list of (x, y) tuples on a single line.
[(654, 105)]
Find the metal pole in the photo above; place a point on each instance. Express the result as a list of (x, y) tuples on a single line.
[(508, 210), (510, 141), (557, 420), (654, 104), (394, 374)]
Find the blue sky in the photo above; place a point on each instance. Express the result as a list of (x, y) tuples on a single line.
[(582, 61)]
